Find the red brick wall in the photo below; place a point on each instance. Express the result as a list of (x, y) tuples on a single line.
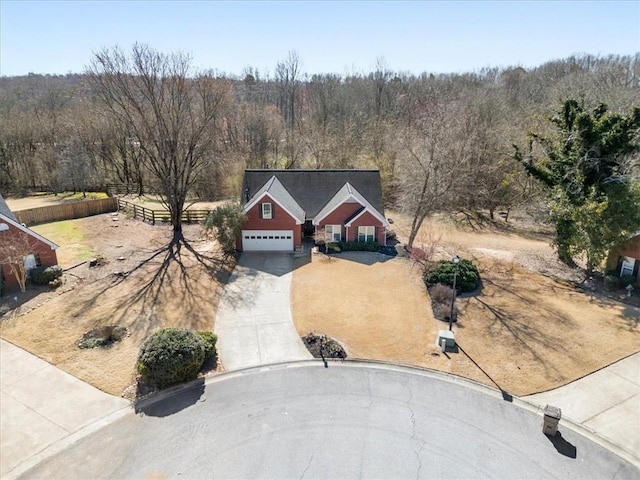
[(632, 248), (340, 214), (280, 220), (344, 211), (367, 220), (48, 256)]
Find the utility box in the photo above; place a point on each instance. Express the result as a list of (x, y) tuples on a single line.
[(446, 339), (550, 420)]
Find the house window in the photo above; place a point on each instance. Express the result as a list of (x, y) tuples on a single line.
[(31, 261), (366, 234), (333, 233), (267, 212), (628, 265)]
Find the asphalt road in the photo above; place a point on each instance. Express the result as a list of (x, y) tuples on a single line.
[(344, 421)]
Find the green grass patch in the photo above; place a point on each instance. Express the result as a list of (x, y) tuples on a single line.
[(74, 244), (78, 197)]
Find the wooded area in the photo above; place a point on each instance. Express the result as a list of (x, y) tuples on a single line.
[(443, 142)]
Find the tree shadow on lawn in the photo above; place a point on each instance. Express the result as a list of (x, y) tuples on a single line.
[(169, 271), (528, 336)]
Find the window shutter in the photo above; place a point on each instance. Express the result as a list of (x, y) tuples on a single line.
[(273, 211), (260, 209)]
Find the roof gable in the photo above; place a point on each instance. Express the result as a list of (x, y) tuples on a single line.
[(6, 215), (311, 189), (346, 194), (28, 231), (281, 196)]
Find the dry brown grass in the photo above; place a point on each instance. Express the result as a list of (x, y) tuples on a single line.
[(524, 332), (166, 286)]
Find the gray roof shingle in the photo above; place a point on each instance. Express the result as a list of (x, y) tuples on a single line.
[(6, 211), (312, 189)]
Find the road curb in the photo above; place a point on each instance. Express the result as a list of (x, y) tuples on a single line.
[(214, 378), (528, 405)]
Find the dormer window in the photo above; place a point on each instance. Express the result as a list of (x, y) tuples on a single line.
[(267, 212)]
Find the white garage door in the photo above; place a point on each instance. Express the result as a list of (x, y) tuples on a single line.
[(267, 240)]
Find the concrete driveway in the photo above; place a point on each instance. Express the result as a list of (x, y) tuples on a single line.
[(42, 406), (607, 402), (253, 322)]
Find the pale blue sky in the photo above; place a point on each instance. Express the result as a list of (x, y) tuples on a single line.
[(60, 36)]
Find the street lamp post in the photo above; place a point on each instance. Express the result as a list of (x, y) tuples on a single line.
[(456, 261)]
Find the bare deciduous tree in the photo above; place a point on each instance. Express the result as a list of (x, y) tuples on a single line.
[(433, 150), (15, 246), (171, 113)]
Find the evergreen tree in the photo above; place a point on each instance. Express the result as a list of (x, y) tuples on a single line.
[(589, 168)]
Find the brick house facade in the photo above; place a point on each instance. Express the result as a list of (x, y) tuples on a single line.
[(38, 251), (625, 260), (337, 205)]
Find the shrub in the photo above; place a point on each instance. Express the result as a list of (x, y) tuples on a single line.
[(441, 294), (210, 339), (359, 246), (626, 280), (337, 247), (322, 346), (170, 356), (441, 297), (611, 282), (467, 279), (391, 235), (103, 336), (227, 220), (45, 275), (333, 247)]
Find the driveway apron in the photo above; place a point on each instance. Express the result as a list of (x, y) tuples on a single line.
[(254, 322)]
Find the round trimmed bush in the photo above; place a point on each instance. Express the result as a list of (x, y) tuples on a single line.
[(170, 356), (210, 339), (467, 280)]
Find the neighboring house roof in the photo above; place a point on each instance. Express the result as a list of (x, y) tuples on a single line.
[(7, 216), (6, 211), (348, 194), (281, 196), (312, 189)]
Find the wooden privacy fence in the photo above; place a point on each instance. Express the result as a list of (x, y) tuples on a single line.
[(66, 211), (162, 216)]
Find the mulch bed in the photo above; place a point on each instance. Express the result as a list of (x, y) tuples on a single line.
[(321, 346)]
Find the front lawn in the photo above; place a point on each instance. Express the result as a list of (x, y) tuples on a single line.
[(143, 283), (523, 333)]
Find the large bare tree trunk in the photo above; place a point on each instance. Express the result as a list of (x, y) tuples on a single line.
[(171, 113)]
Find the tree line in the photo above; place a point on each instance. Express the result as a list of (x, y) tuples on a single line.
[(442, 142)]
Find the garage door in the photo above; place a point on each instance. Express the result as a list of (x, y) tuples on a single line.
[(267, 240)]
